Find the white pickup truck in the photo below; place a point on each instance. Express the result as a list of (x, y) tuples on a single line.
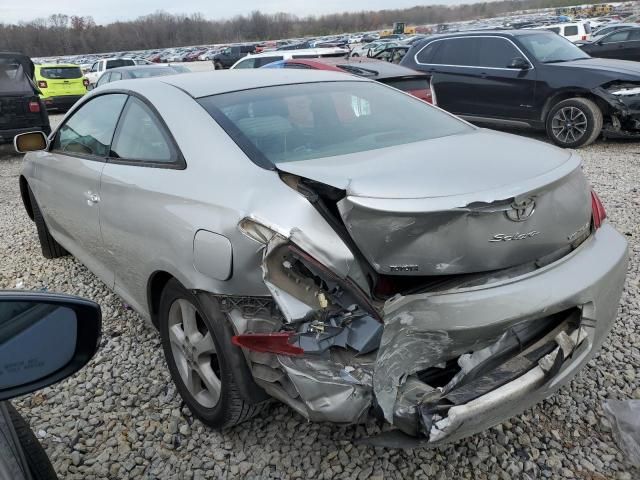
[(101, 66)]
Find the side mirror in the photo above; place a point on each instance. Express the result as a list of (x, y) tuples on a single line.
[(30, 142), (520, 64), (90, 87), (44, 338)]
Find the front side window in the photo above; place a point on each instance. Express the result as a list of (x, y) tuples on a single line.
[(248, 63), (311, 121), (116, 76), (622, 36), (94, 67), (496, 52), (140, 136), (427, 53), (90, 129), (259, 62)]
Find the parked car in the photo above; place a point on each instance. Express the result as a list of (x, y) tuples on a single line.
[(370, 49), (531, 78), (60, 85), (21, 108), (606, 29), (573, 32), (142, 71), (101, 66), (623, 44), (260, 59), (30, 324), (230, 55), (410, 81), (334, 243), (392, 54)]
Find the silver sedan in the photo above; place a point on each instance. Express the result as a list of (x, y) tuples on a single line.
[(332, 243)]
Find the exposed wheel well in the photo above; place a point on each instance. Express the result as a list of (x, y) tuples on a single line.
[(156, 285), (604, 107), (26, 200)]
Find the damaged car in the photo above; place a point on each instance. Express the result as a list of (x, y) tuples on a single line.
[(533, 79), (333, 243)]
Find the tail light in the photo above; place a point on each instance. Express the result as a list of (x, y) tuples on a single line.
[(34, 106), (268, 343), (85, 82), (42, 84), (597, 209), (584, 37), (422, 95)]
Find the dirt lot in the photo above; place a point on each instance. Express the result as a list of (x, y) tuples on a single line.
[(121, 417)]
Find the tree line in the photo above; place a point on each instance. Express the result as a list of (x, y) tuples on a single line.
[(62, 34)]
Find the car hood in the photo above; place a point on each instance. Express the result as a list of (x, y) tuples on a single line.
[(614, 69), (459, 165)]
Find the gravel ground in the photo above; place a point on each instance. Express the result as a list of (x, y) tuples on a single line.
[(121, 417)]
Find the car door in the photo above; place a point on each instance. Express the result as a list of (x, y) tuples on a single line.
[(472, 77), (135, 204), (66, 182), (613, 45), (632, 49)]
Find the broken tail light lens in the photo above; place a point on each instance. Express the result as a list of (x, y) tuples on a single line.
[(42, 84), (34, 107), (599, 214), (278, 343)]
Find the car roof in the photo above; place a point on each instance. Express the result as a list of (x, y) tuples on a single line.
[(493, 33), (139, 67), (301, 51), (381, 68), (203, 84), (56, 65)]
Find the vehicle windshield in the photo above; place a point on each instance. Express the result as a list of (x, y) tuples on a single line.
[(60, 73), (315, 120), (551, 48), (13, 79)]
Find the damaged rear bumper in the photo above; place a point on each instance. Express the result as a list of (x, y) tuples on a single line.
[(500, 348)]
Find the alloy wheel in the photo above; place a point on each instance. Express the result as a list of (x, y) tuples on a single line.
[(569, 124), (194, 353)]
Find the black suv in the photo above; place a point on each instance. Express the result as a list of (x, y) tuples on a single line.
[(531, 78), (21, 109), (230, 55)]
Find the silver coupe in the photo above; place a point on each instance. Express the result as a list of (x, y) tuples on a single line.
[(333, 243)]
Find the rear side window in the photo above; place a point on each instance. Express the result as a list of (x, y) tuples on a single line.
[(60, 73), (427, 53), (457, 51), (120, 62), (496, 52), (90, 129), (634, 35), (570, 30), (140, 136), (554, 29)]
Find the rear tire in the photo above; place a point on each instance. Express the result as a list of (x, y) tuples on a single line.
[(37, 459), (218, 66), (574, 123), (196, 345), (50, 247)]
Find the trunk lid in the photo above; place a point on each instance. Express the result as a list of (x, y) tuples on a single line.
[(483, 202)]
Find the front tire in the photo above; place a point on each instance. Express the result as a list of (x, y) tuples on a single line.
[(217, 65), (37, 460), (196, 347), (574, 123), (50, 247)]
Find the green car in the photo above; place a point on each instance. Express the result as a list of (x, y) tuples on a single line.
[(61, 85)]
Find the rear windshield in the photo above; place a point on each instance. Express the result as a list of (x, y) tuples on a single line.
[(13, 79), (55, 73), (120, 62), (315, 120)]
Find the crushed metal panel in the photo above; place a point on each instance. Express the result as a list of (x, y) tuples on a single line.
[(329, 392)]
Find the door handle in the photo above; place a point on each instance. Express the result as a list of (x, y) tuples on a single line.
[(92, 198)]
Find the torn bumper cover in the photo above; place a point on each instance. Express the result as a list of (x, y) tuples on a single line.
[(623, 100), (449, 363)]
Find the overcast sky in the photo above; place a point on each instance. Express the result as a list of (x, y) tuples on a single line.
[(105, 11)]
